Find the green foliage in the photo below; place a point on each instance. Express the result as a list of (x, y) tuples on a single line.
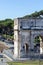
[(36, 40), (6, 22), (6, 27), (34, 15)]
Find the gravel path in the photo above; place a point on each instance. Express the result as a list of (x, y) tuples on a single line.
[(3, 63)]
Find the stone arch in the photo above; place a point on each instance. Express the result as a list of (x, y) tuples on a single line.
[(39, 42)]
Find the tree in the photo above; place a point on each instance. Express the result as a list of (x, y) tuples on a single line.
[(34, 15)]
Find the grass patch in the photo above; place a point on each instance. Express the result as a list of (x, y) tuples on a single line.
[(30, 62)]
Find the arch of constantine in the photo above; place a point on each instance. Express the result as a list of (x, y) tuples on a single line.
[(28, 36)]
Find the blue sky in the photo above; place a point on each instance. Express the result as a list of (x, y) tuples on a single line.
[(18, 8)]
